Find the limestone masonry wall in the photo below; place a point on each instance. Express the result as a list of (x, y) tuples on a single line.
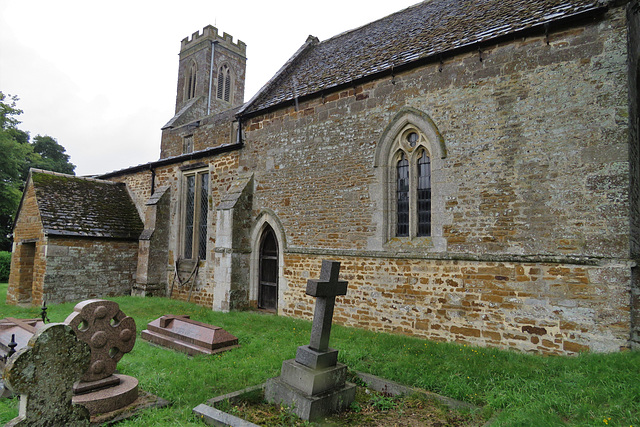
[(531, 242), (80, 268), (543, 308), (537, 142)]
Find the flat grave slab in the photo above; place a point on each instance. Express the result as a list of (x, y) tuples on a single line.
[(188, 336)]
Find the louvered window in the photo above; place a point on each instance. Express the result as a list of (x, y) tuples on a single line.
[(190, 87), (224, 83)]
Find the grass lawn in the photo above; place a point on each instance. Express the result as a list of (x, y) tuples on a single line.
[(519, 389)]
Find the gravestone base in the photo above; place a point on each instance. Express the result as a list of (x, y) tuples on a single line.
[(316, 359), (311, 393), (100, 400)]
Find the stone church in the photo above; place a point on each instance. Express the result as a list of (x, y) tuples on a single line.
[(474, 166)]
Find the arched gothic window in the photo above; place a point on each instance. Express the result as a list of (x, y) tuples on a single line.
[(190, 83), (224, 83), (412, 186)]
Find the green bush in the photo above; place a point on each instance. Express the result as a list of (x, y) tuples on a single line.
[(5, 266)]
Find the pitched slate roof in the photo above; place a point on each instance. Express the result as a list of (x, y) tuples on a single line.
[(75, 206), (428, 29)]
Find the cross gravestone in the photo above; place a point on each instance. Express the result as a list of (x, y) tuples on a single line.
[(314, 383), (110, 334), (43, 373)]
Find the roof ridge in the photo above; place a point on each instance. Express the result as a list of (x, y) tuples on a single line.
[(66, 175), (307, 45), (375, 21)]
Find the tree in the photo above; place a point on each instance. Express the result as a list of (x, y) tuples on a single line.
[(52, 155), (18, 155), (12, 164)]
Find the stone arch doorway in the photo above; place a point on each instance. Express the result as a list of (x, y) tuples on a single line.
[(268, 271)]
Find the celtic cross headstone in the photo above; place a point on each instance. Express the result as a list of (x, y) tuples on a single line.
[(110, 334)]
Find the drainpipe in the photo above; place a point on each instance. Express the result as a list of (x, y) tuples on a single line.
[(213, 48), (239, 139), (153, 181)]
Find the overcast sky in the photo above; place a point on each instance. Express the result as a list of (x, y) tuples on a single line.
[(101, 77)]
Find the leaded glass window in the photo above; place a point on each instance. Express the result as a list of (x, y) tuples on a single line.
[(196, 210), (424, 194), (402, 197), (410, 185), (189, 216), (204, 211)]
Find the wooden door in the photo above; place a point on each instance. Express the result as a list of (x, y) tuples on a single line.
[(268, 282)]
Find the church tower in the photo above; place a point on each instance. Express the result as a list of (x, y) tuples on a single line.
[(211, 75)]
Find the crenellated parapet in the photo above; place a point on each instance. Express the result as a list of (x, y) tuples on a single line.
[(210, 33)]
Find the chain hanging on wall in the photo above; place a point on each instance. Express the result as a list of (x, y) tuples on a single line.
[(190, 280)]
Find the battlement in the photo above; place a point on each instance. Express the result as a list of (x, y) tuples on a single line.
[(211, 33)]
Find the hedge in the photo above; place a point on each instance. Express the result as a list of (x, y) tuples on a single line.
[(5, 266)]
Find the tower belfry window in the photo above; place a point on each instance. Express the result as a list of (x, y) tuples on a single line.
[(224, 83), (190, 89)]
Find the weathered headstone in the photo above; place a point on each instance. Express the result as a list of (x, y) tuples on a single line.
[(188, 336), (314, 383), (43, 373), (14, 335), (110, 334)]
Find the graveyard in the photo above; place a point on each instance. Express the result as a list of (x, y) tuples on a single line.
[(512, 388)]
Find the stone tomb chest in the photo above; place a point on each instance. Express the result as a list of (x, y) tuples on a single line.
[(188, 336)]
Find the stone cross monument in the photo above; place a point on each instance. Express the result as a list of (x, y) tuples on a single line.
[(314, 383), (318, 354)]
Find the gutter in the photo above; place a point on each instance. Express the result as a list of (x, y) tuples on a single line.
[(177, 159)]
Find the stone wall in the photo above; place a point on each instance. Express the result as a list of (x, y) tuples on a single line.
[(537, 151), (537, 307), (633, 15), (28, 258), (83, 268), (531, 203), (531, 235)]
